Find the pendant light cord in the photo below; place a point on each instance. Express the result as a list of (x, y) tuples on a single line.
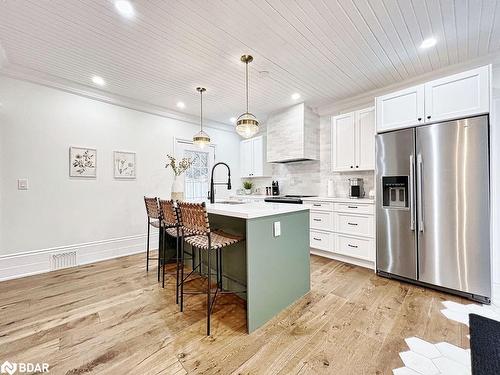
[(246, 64), (201, 109)]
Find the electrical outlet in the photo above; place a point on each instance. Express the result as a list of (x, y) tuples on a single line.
[(22, 184), (277, 228)]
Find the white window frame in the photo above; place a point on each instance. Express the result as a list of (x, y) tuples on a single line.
[(182, 144)]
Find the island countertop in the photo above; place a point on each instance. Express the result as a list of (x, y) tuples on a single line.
[(253, 210)]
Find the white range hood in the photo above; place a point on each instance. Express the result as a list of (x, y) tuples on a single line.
[(293, 135)]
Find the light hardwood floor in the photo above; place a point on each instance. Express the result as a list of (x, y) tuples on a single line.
[(113, 318)]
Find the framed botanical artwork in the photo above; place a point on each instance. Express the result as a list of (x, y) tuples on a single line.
[(82, 162), (124, 165)]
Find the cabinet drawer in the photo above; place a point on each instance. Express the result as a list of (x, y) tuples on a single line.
[(321, 240), (355, 247), (357, 225), (320, 206), (321, 220), (355, 208)]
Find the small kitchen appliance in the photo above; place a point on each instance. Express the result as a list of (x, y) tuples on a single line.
[(356, 189), (275, 188)]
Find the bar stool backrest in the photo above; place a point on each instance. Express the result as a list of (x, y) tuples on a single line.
[(194, 218), (152, 208), (169, 213)]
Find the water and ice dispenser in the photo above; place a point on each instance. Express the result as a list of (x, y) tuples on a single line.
[(395, 191)]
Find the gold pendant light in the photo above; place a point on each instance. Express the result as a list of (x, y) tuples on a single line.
[(247, 124), (201, 138)]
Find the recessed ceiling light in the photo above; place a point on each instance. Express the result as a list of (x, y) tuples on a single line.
[(233, 120), (98, 80), (181, 105), (428, 43), (295, 96), (125, 8)]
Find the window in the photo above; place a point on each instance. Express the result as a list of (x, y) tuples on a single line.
[(197, 177)]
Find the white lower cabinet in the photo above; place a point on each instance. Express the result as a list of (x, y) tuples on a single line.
[(344, 230), (322, 220), (321, 240), (358, 225), (356, 247)]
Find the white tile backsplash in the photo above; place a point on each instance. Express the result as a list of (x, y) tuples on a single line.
[(311, 177)]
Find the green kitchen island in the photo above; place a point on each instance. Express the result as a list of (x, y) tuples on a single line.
[(272, 264)]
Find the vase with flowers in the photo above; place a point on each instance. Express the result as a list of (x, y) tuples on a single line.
[(178, 167)]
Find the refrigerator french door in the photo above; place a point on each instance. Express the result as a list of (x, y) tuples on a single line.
[(433, 221)]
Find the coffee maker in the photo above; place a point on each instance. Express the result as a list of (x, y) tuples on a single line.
[(356, 189)]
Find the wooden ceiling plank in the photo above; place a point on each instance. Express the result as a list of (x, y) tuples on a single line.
[(362, 27)]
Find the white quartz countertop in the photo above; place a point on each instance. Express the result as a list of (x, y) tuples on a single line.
[(339, 199), (253, 210)]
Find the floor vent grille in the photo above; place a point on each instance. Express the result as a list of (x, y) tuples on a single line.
[(63, 260)]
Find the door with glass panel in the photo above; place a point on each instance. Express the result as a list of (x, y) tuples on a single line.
[(197, 177)]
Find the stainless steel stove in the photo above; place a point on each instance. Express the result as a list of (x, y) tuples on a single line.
[(295, 199)]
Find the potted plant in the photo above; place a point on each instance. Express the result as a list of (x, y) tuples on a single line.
[(177, 192), (247, 185)]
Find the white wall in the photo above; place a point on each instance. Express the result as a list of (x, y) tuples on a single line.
[(37, 126)]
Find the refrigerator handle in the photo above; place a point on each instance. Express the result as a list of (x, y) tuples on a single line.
[(419, 193), (412, 194)]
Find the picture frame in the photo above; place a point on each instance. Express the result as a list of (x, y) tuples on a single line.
[(82, 162), (124, 165)]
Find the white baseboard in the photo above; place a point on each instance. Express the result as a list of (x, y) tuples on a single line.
[(344, 258), (13, 266)]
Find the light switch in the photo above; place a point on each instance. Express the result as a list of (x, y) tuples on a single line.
[(277, 228), (22, 184)]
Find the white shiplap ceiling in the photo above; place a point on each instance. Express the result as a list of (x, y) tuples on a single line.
[(325, 50)]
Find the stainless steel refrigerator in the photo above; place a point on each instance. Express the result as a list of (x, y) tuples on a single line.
[(433, 206)]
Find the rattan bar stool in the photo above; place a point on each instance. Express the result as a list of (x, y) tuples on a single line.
[(172, 228), (154, 220), (194, 222)]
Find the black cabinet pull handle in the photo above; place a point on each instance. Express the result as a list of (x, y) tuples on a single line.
[(317, 204), (419, 119), (317, 219), (352, 166), (357, 166), (354, 246), (428, 117), (316, 239), (352, 206), (352, 223)]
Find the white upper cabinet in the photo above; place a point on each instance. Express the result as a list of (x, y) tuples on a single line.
[(246, 158), (365, 141), (258, 156), (252, 158), (343, 142), (400, 109), (459, 95), (353, 141)]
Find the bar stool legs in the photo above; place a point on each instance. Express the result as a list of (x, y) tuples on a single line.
[(209, 282), (147, 247)]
